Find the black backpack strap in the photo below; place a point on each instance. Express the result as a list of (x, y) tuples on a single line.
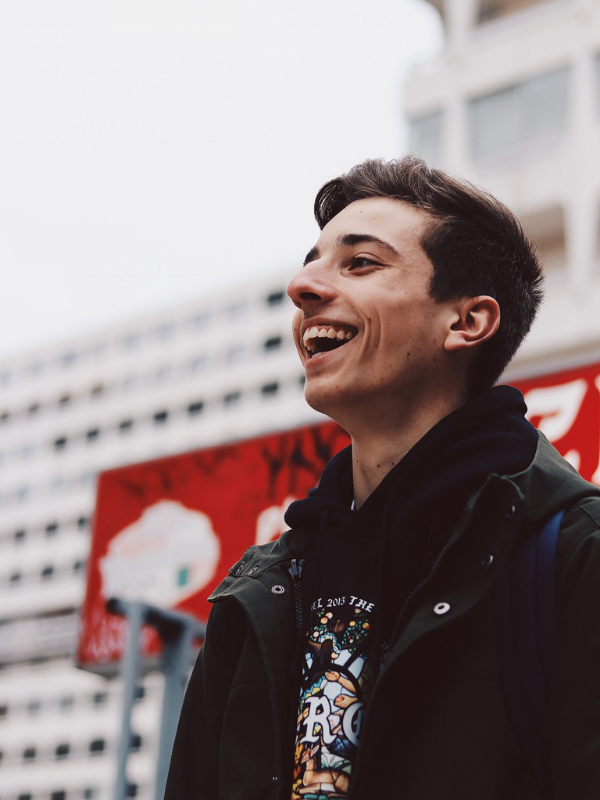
[(526, 628)]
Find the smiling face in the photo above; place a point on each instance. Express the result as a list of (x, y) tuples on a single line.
[(369, 334)]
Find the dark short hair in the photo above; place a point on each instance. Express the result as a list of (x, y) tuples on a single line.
[(474, 242)]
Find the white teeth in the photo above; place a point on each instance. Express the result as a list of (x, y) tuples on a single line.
[(328, 332)]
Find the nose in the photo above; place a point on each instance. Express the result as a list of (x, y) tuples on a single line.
[(309, 286)]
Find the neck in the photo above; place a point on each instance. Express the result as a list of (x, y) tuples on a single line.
[(376, 449)]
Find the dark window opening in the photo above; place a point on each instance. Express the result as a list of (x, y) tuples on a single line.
[(69, 358), (269, 389), (140, 693), (89, 794), (19, 535), (100, 698), (125, 425), (47, 573), (24, 797), (136, 742), (82, 522), (132, 790), (92, 434), (97, 390), (4, 416), (15, 578), (78, 567), (301, 381), (195, 408), (51, 528), (62, 751), (231, 398), (272, 343), (29, 754), (160, 417), (33, 408), (60, 795), (64, 400), (3, 710), (275, 298), (60, 443), (97, 747)]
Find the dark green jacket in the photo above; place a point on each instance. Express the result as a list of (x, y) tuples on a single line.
[(435, 727)]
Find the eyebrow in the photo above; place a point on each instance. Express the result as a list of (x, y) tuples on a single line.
[(351, 240)]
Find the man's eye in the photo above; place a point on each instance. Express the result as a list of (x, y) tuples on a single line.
[(361, 261)]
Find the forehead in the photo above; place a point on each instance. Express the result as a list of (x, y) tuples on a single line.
[(394, 221)]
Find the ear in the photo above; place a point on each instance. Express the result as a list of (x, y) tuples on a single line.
[(475, 320)]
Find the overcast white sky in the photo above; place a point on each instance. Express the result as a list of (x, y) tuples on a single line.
[(152, 150)]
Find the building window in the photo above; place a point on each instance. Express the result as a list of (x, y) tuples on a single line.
[(272, 343), (100, 698), (25, 796), (82, 523), (89, 794), (33, 409), (29, 754), (275, 298), (66, 702), (64, 400), (231, 398), (15, 579), (4, 417), (60, 443), (201, 319), (92, 434), (33, 707), (78, 567), (97, 391), (199, 363), (531, 112), (68, 359), (195, 408), (60, 795), (97, 747), (51, 528), (125, 425), (132, 790), (160, 417), (136, 742), (140, 693), (62, 751), (47, 573), (425, 136), (3, 711), (20, 535), (269, 389)]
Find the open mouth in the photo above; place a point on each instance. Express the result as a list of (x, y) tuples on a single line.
[(323, 338)]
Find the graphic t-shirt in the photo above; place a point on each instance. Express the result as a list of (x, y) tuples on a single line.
[(336, 678)]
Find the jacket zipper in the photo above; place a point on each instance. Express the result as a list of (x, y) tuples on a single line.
[(296, 573), (466, 521)]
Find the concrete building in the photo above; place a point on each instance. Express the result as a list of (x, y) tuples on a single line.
[(205, 372), (514, 104)]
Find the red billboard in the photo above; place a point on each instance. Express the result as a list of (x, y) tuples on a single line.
[(166, 531)]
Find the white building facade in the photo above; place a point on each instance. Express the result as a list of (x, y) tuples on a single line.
[(514, 105), (189, 377)]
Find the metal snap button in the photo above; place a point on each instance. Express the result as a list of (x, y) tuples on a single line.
[(278, 589), (487, 561), (240, 569), (441, 608), (253, 570)]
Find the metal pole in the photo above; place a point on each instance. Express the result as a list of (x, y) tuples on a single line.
[(177, 631), (130, 670), (176, 664)]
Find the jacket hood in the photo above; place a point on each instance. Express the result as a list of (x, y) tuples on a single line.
[(550, 484)]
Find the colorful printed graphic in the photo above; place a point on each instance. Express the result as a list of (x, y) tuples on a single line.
[(336, 678)]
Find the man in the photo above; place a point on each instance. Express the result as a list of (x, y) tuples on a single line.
[(356, 657)]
